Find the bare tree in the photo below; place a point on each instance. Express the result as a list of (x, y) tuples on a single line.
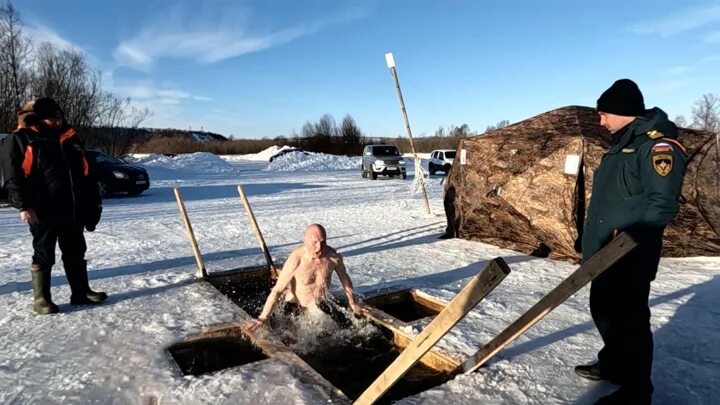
[(64, 75), (462, 131), (500, 124), (14, 57), (352, 137), (706, 113), (116, 123), (681, 121)]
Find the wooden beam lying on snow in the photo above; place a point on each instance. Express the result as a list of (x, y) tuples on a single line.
[(465, 301), (592, 268), (202, 272)]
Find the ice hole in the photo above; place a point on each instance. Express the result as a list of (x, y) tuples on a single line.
[(348, 351), (247, 288), (351, 352), (406, 305), (204, 355)]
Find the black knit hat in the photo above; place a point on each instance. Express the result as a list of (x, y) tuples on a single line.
[(622, 98), (43, 108)]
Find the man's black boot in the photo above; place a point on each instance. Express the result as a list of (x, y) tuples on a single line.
[(78, 279), (591, 372), (43, 305)]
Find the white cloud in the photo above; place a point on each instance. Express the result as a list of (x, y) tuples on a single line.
[(682, 21), (40, 34), (205, 46), (210, 40), (148, 91), (676, 70)]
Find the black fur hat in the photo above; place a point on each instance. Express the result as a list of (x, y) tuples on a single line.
[(43, 108)]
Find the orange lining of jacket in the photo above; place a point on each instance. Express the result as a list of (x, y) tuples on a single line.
[(30, 153)]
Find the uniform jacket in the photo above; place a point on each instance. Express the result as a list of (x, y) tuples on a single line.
[(46, 171), (637, 186)]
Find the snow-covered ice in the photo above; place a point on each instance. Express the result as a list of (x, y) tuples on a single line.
[(139, 253)]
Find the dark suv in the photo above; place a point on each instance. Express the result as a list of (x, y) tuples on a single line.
[(116, 175), (382, 160)]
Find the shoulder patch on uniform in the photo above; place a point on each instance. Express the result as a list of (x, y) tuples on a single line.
[(662, 147), (654, 134), (663, 163)]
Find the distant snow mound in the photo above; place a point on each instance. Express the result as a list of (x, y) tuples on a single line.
[(199, 137), (312, 162), (199, 162), (267, 153)]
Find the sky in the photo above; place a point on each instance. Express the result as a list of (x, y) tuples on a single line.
[(255, 69)]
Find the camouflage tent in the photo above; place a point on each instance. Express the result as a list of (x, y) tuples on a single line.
[(515, 187)]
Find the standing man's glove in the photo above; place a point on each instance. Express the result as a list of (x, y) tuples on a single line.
[(93, 218)]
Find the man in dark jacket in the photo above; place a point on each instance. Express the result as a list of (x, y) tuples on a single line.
[(48, 180), (636, 190)]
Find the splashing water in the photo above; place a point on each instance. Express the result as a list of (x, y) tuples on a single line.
[(315, 329)]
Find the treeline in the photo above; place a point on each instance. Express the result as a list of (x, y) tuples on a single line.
[(324, 136), (29, 70)]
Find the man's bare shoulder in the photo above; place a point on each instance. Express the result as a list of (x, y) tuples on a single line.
[(332, 253), (297, 253)]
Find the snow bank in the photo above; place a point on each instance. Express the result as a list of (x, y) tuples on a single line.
[(312, 162), (266, 154), (199, 162)]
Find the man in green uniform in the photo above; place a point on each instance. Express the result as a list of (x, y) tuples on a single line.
[(635, 190)]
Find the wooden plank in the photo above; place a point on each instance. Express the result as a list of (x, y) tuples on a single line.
[(586, 273), (435, 359), (429, 301), (202, 272), (466, 300), (256, 229)]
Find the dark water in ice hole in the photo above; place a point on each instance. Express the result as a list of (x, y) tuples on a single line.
[(207, 355), (250, 295), (406, 310), (349, 352)]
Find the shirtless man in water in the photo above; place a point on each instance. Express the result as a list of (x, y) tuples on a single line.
[(307, 272)]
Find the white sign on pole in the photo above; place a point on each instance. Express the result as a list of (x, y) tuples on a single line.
[(572, 165), (389, 60)]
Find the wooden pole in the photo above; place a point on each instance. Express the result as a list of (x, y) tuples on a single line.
[(258, 234), (592, 268), (202, 272), (409, 131), (474, 292)]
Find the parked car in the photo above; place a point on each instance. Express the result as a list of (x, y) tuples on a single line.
[(382, 160), (116, 175), (441, 160)]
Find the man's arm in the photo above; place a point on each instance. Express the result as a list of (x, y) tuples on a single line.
[(286, 276), (14, 155), (346, 284), (662, 168)]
